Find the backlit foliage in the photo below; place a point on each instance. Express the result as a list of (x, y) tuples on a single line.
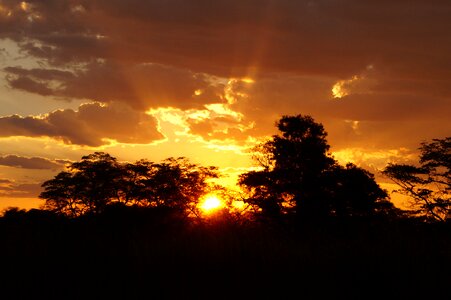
[(99, 180)]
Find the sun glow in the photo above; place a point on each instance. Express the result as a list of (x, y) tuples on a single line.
[(210, 203)]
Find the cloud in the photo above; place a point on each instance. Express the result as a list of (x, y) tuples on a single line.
[(152, 54), (91, 125), (140, 85), (365, 118), (219, 128), (20, 190), (233, 38), (389, 107), (4, 181), (31, 162)]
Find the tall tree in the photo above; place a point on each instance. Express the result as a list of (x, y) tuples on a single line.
[(293, 165), (298, 175), (429, 183)]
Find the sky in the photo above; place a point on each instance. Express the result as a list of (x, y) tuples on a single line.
[(208, 80)]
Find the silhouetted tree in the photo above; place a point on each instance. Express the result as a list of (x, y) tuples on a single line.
[(300, 176), (136, 181), (99, 180), (429, 184), (265, 194), (13, 212), (61, 195), (354, 192), (175, 183), (293, 166), (90, 185)]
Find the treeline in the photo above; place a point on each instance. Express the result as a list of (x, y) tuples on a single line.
[(99, 180), (298, 180)]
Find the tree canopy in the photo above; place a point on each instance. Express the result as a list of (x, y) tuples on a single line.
[(429, 183), (299, 176), (99, 180)]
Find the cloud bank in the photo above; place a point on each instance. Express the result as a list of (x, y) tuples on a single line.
[(92, 125), (31, 162)]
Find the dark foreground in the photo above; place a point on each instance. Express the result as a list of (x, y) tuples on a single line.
[(150, 256)]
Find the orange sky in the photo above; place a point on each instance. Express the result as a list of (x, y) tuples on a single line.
[(208, 79)]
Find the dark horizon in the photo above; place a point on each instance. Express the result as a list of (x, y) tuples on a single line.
[(207, 80)]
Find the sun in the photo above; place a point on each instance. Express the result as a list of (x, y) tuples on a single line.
[(210, 203)]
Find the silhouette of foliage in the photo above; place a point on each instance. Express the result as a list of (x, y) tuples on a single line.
[(354, 192), (88, 186), (299, 176), (175, 183), (98, 180), (429, 185), (14, 212)]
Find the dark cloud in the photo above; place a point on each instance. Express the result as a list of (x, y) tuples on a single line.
[(389, 107), (21, 190), (370, 118), (90, 125), (384, 135), (141, 86), (31, 162), (30, 85), (333, 38)]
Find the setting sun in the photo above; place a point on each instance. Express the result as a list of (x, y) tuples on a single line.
[(210, 203)]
